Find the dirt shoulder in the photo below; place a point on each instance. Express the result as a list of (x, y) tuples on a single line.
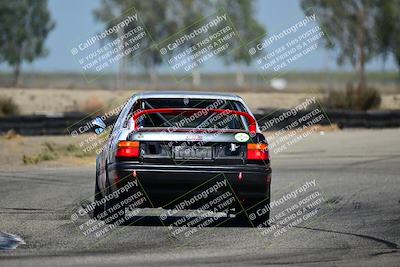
[(27, 152), (63, 100)]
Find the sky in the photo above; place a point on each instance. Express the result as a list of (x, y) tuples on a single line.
[(75, 22)]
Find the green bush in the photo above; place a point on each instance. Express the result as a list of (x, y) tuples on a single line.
[(52, 151), (44, 155), (349, 99), (8, 106)]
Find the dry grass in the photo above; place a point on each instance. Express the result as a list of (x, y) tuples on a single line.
[(20, 152), (63, 100)]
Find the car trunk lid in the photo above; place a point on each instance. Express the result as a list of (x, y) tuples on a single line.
[(192, 146)]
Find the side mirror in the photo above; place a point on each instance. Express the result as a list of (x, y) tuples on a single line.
[(98, 125)]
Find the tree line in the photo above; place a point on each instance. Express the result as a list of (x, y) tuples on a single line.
[(358, 30)]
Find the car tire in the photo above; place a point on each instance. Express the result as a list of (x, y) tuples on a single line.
[(114, 213), (98, 209)]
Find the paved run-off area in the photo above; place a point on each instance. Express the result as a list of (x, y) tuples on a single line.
[(357, 172)]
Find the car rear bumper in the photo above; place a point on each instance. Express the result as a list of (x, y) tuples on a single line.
[(166, 184)]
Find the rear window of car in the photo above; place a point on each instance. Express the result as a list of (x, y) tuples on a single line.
[(201, 119)]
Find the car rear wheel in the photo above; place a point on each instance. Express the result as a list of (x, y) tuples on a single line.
[(98, 209), (115, 210)]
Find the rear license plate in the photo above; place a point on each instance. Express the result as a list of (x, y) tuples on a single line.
[(192, 152)]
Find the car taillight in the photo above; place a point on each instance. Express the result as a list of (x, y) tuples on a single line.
[(257, 152), (128, 149)]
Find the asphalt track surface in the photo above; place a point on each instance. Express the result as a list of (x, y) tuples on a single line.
[(357, 172)]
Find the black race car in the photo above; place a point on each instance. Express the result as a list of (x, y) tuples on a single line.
[(183, 151)]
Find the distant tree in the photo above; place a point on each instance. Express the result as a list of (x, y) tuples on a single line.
[(155, 17), (184, 16), (241, 15), (160, 18), (24, 26), (387, 29), (396, 40), (349, 26)]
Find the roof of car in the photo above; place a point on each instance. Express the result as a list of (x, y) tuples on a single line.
[(187, 94)]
